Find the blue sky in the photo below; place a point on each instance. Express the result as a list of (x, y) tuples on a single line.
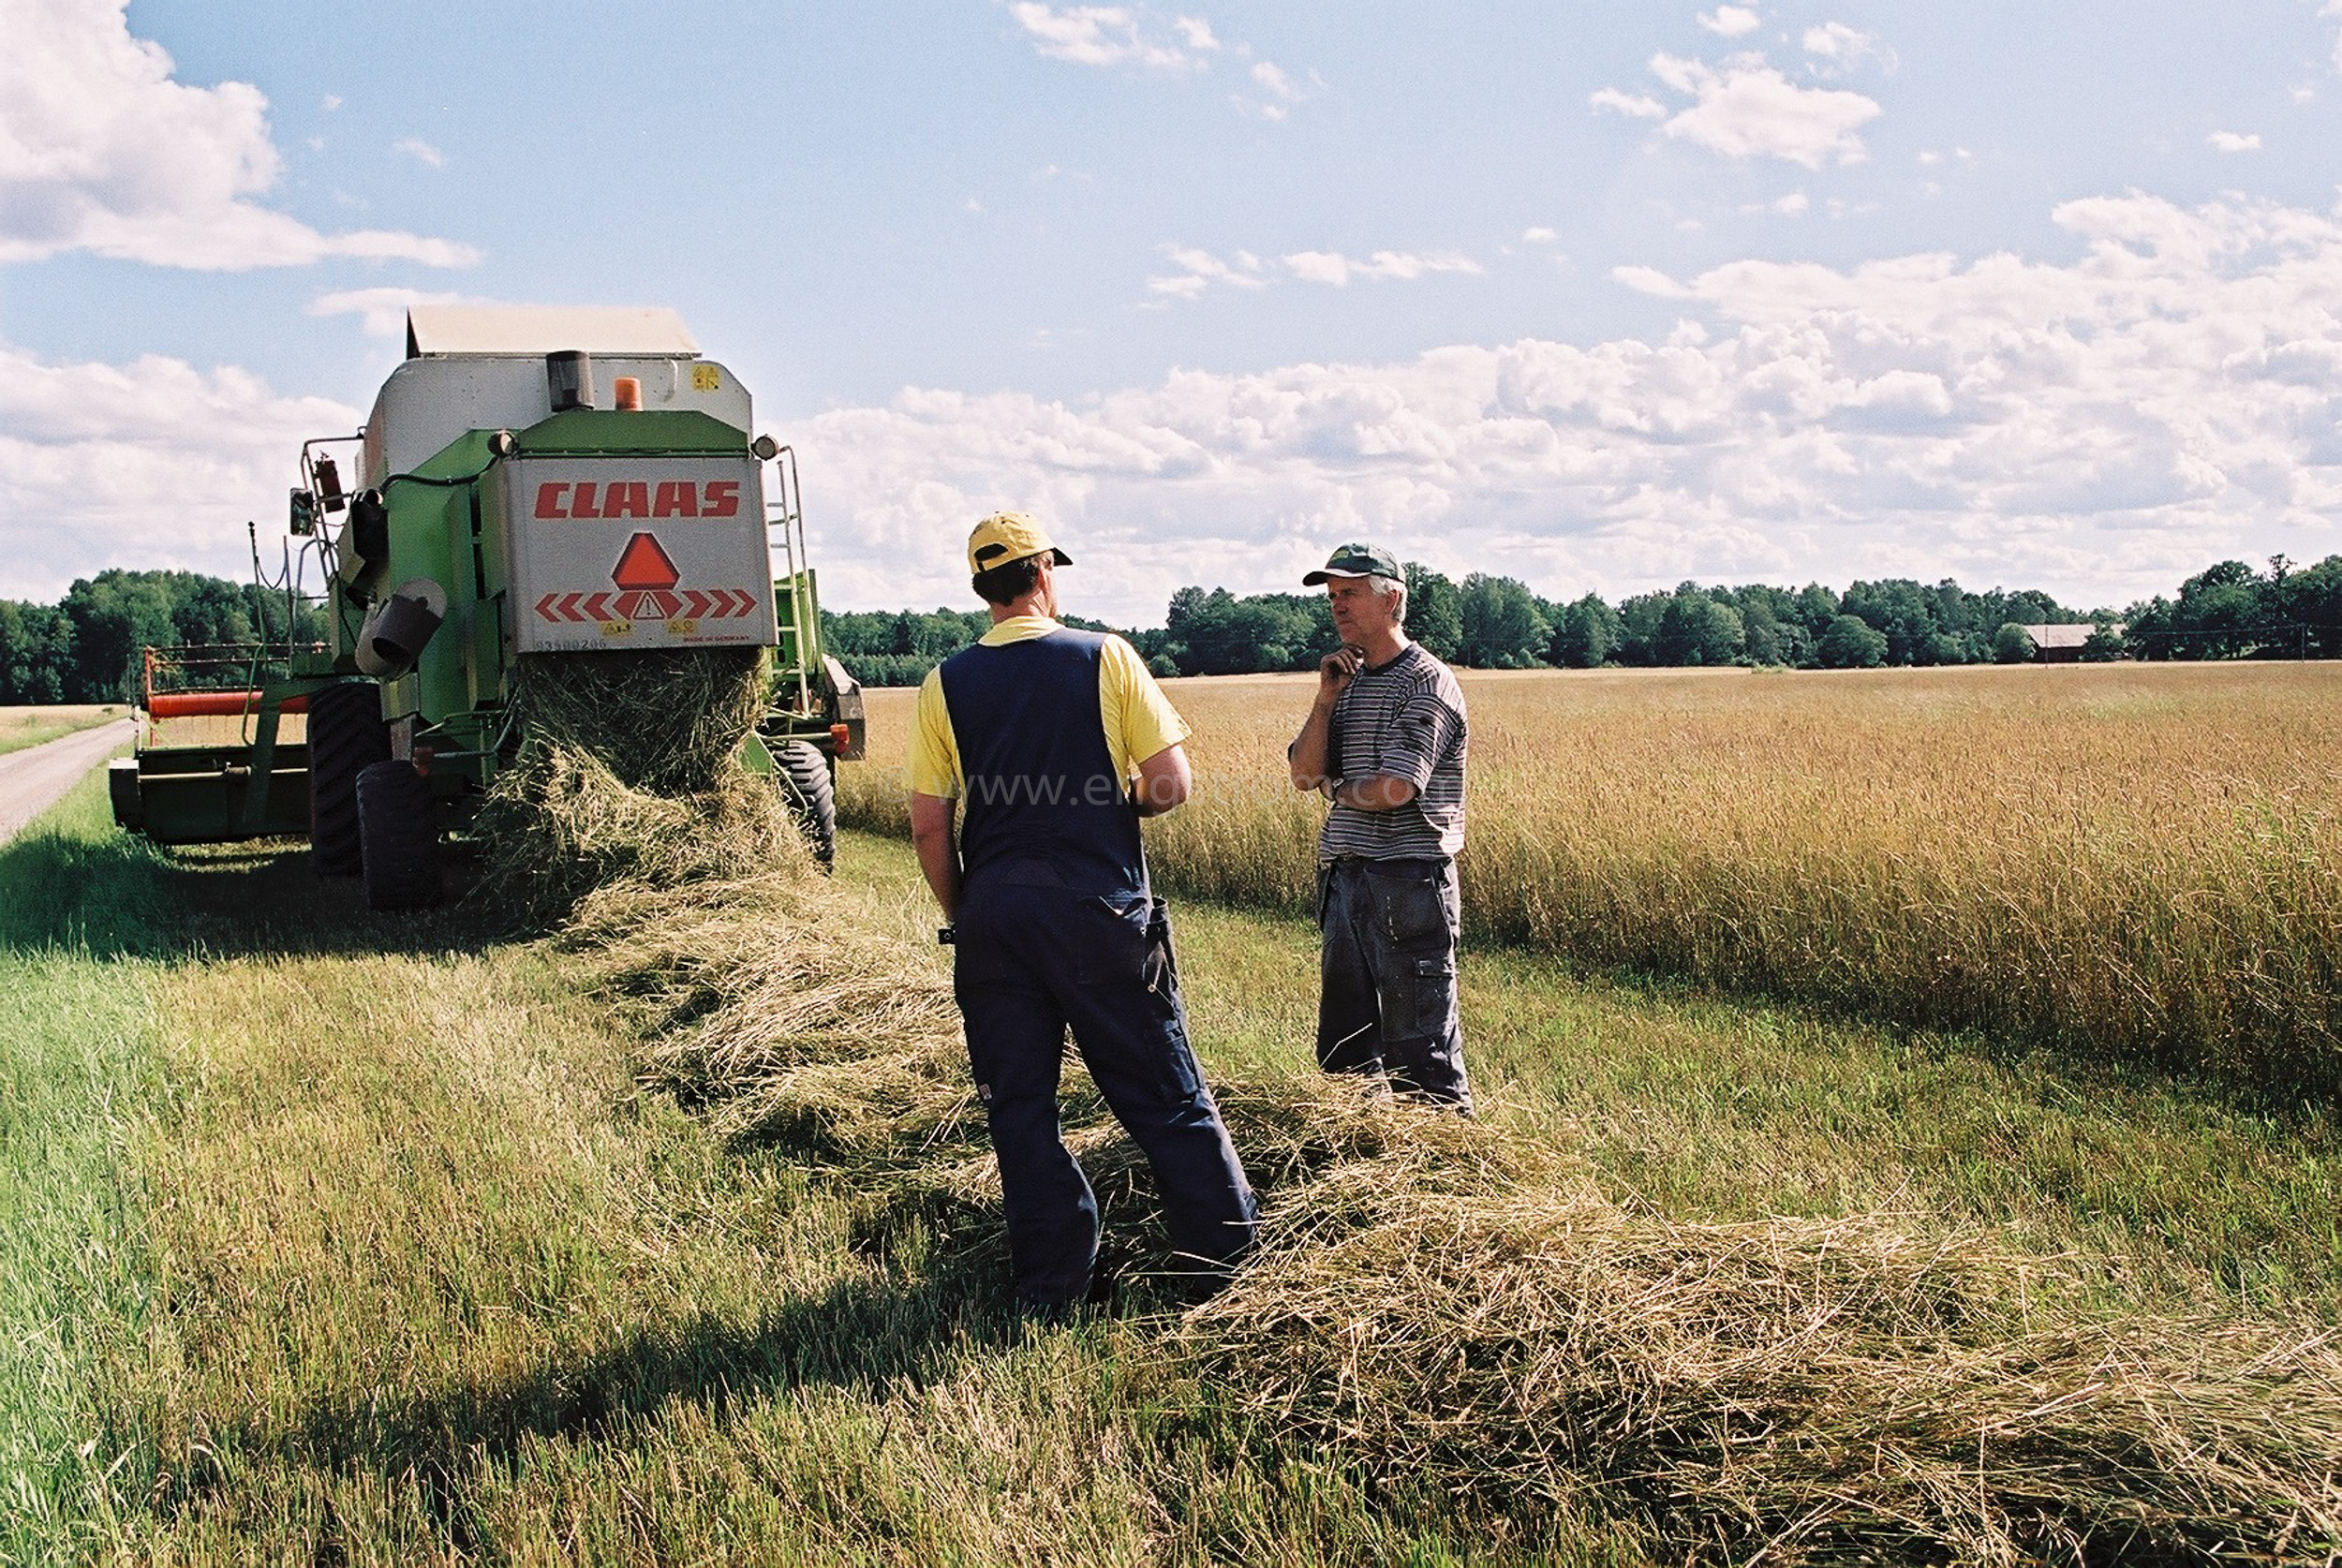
[(1603, 295)]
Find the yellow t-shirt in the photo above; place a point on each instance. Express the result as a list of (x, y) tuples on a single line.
[(1139, 720)]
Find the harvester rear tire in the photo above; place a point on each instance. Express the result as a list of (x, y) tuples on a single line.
[(346, 736), (812, 796), (401, 860)]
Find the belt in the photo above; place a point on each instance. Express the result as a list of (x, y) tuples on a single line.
[(1431, 864)]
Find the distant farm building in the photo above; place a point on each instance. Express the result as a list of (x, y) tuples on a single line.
[(2063, 643)]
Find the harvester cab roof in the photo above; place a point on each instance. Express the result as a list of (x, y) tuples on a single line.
[(505, 367)]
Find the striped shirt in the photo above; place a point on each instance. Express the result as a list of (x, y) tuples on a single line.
[(1404, 720)]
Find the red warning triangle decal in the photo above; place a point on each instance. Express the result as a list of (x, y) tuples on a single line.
[(644, 565)]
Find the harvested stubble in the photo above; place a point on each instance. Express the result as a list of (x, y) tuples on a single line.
[(1458, 1302), (629, 778)]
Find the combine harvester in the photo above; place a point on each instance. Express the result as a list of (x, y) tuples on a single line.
[(535, 484)]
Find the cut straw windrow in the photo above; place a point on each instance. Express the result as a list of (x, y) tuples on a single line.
[(1460, 1302)]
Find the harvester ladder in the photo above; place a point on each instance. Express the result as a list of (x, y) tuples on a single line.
[(800, 629)]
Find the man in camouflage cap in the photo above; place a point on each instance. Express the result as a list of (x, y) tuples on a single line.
[(1384, 744)]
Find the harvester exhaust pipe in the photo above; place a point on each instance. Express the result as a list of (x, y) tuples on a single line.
[(398, 630), (570, 380)]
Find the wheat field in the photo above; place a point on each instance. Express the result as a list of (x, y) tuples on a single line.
[(2138, 862), (331, 1239)]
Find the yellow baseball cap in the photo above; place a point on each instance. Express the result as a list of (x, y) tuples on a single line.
[(1008, 536)]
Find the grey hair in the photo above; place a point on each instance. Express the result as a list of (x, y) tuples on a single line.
[(1392, 585)]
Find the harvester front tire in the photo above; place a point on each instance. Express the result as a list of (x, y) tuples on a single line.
[(400, 851), (812, 796), (347, 736)]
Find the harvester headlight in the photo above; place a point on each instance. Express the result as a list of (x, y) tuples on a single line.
[(765, 448)]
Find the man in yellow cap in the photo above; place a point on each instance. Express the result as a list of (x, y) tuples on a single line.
[(1054, 743)]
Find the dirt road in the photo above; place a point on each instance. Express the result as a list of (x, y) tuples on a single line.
[(36, 779)]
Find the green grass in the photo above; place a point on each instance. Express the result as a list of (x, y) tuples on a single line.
[(21, 727), (76, 1274), (78, 1082), (396, 1264), (401, 1266)]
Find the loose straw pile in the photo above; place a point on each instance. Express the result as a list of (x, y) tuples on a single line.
[(1458, 1302), (629, 778)]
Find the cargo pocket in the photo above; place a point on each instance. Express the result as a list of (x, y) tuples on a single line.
[(1412, 908), (1429, 1001), (1113, 940)]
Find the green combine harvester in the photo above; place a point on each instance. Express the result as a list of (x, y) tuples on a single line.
[(535, 485)]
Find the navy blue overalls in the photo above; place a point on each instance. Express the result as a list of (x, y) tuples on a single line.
[(1056, 927)]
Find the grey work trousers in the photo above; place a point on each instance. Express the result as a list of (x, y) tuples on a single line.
[(1386, 998)]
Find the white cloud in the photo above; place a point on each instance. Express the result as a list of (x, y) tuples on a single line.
[(1113, 35), (153, 464), (1200, 270), (1731, 21), (2230, 141), (2101, 428), (1639, 105), (1749, 109), (421, 151), (1331, 267), (1195, 32), (382, 312), (2334, 7), (1540, 235), (102, 151), (1281, 91), (1650, 280), (1845, 48)]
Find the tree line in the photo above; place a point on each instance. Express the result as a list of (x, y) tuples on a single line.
[(1490, 622), (86, 647)]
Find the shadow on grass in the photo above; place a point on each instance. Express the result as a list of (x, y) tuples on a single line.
[(114, 895), (935, 1298), (861, 1334)]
